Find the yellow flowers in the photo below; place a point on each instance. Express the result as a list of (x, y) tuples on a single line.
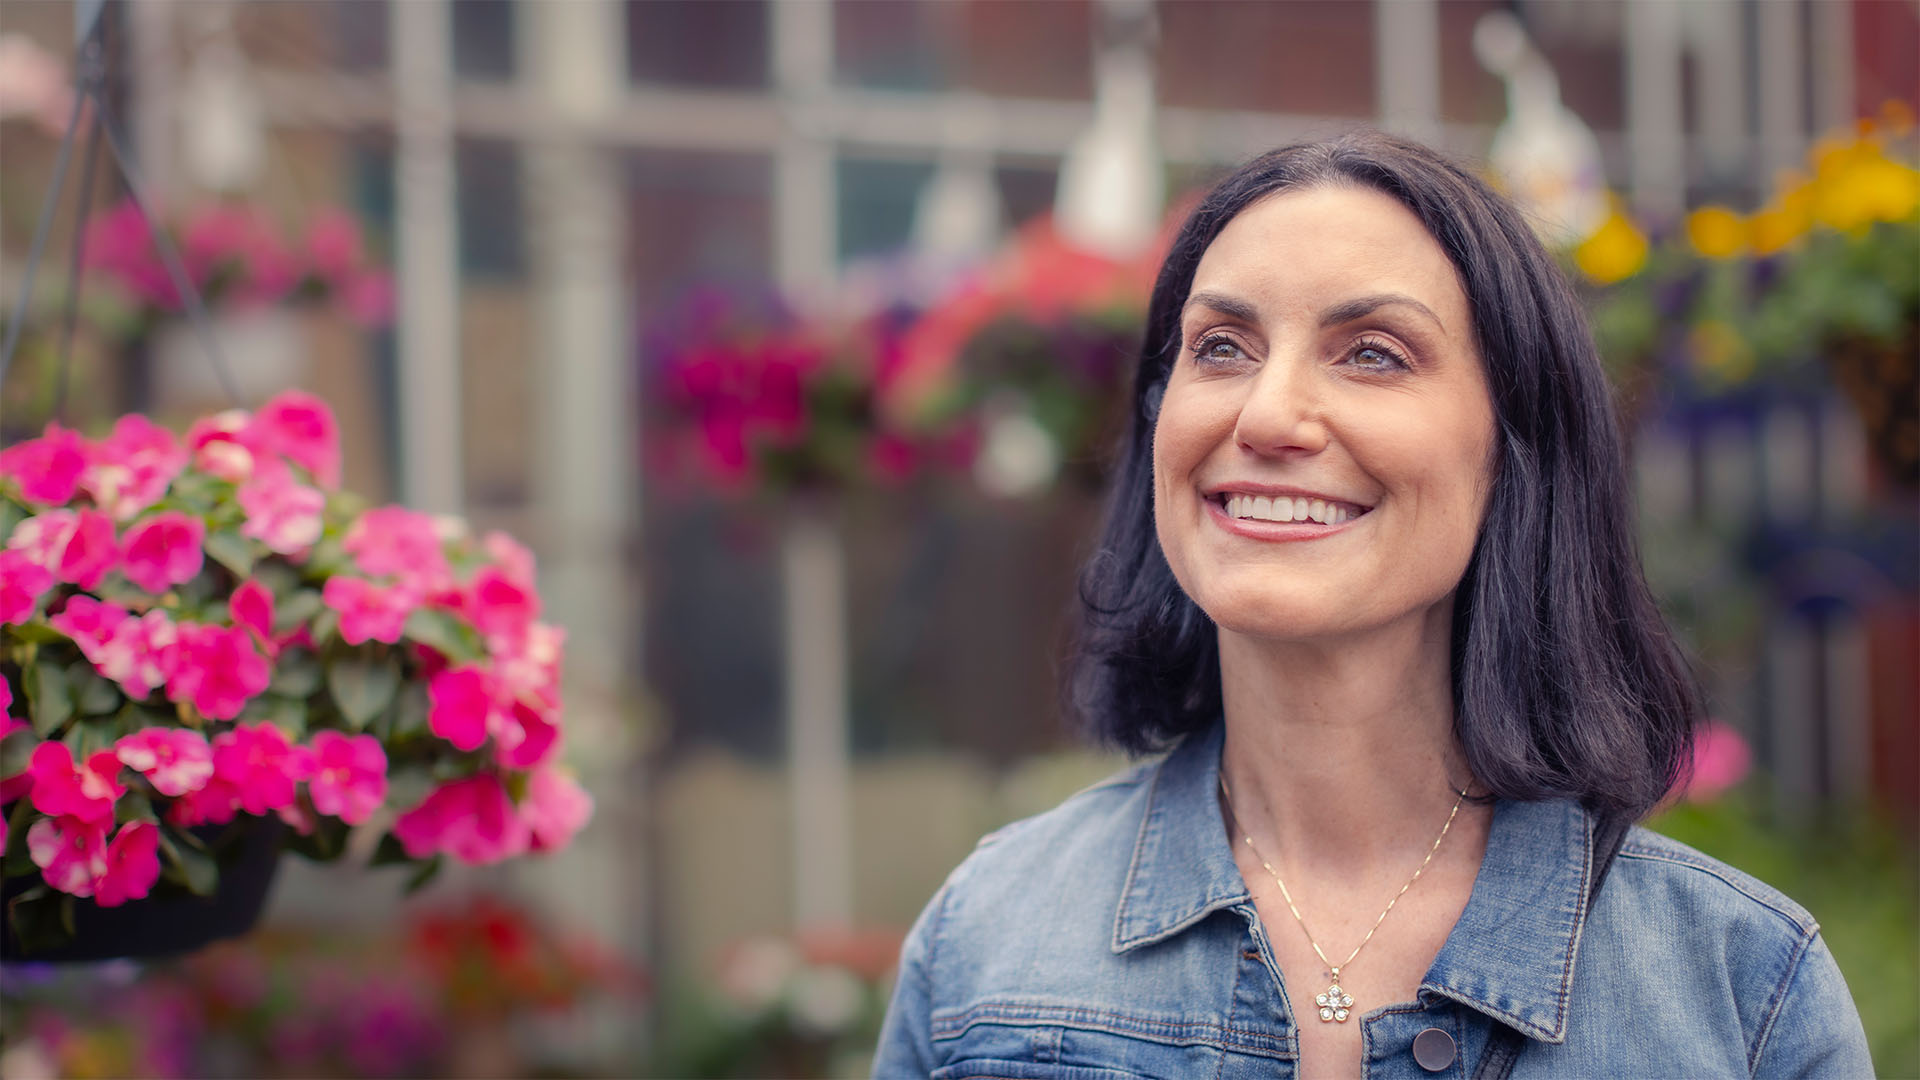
[(1853, 183), (1616, 250), (1717, 232)]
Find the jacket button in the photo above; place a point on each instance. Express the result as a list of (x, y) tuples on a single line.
[(1433, 1049)]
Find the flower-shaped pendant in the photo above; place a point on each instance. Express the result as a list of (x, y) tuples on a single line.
[(1334, 1004)]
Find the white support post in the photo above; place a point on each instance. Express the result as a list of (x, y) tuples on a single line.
[(1720, 117), (819, 768), (1832, 59), (1406, 49), (820, 772), (427, 256), (1783, 123), (1654, 136), (805, 204)]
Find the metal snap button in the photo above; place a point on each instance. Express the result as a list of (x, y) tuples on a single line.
[(1433, 1049)]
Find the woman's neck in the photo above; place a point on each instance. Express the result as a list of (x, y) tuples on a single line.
[(1342, 755)]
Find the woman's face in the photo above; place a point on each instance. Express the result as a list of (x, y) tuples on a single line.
[(1324, 448)]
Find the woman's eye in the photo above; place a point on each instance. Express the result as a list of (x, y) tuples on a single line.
[(1217, 350), (1377, 357)]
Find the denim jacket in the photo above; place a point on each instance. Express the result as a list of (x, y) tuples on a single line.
[(1113, 937)]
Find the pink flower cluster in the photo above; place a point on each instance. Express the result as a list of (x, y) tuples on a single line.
[(115, 559), (235, 252)]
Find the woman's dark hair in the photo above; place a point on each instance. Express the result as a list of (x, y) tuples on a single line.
[(1566, 681)]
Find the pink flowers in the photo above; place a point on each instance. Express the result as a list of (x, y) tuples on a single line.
[(473, 820), (78, 546), (1721, 759), (85, 791), (369, 612), (215, 580), (349, 778), (75, 857), (300, 428), (260, 765), (174, 760), (281, 513), (462, 706), (218, 670), (163, 551), (47, 469), (236, 254), (395, 542), (131, 469), (22, 582)]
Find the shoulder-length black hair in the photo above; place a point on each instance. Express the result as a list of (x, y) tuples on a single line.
[(1566, 681)]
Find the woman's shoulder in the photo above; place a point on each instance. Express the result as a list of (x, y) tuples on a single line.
[(1671, 872), (1089, 823)]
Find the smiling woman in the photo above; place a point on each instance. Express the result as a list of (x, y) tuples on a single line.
[(1368, 576)]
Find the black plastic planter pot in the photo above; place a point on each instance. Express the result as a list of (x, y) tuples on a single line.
[(164, 926)]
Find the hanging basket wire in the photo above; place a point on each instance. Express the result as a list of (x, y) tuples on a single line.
[(90, 83)]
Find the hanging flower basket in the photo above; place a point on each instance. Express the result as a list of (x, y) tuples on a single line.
[(201, 632)]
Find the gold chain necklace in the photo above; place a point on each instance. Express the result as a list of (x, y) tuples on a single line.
[(1334, 1002)]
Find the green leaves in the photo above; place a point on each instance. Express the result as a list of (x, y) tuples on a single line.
[(447, 634), (49, 702), (362, 687), (231, 550), (186, 862)]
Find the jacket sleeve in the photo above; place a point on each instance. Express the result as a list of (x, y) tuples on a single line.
[(906, 1036), (1814, 1030)]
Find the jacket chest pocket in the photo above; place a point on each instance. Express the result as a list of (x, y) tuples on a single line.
[(1087, 1046), (1001, 1069)]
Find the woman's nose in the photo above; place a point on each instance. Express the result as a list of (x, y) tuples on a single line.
[(1282, 412)]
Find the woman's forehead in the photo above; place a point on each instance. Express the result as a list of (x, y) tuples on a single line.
[(1325, 246)]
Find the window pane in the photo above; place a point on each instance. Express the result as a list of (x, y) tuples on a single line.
[(483, 39), (877, 200), (697, 218), (1015, 50), (698, 42), (1307, 56), (492, 234)]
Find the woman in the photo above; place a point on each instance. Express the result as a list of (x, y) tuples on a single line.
[(1369, 574)]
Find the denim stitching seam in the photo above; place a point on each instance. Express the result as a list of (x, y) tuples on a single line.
[(1777, 1002)]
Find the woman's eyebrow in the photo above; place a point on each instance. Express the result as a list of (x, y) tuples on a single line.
[(1361, 306), (1229, 306)]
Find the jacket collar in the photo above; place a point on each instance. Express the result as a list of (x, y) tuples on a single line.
[(1511, 955)]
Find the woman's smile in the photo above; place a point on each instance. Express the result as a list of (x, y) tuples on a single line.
[(1281, 515)]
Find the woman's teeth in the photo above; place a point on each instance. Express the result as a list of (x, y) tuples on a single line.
[(1284, 508)]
